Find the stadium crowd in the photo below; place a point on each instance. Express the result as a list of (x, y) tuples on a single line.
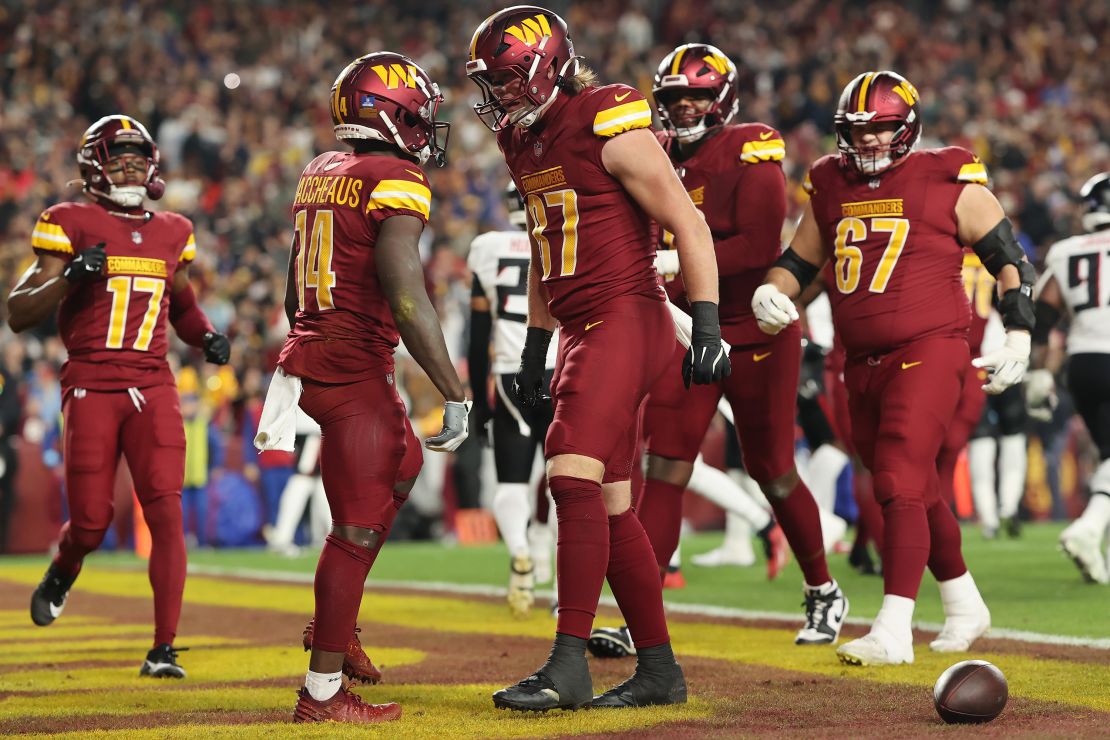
[(235, 95)]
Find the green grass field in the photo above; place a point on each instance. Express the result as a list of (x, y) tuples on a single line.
[(1028, 584)]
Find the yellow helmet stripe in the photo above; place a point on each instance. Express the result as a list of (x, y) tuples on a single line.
[(124, 122), (862, 103), (677, 60)]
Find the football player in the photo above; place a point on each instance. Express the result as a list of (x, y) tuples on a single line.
[(1071, 283), (895, 222), (733, 173), (498, 262), (115, 270), (593, 176), (355, 288)]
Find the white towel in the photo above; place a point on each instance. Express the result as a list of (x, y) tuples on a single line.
[(683, 331), (277, 429)]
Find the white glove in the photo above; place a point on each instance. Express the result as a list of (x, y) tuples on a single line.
[(773, 310), (1007, 363), (456, 427), (1040, 394), (666, 263)]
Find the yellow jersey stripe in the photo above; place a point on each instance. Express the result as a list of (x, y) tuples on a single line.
[(50, 228), (771, 150), (975, 172), (403, 194), (862, 102), (51, 244), (622, 118), (807, 185), (189, 251)]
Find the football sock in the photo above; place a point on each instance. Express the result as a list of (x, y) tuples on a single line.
[(634, 577), (660, 513), (167, 564), (905, 546), (582, 552), (896, 618), (946, 560), (960, 596), (980, 461), (340, 579), (800, 520), (323, 686), (1011, 474), (511, 510)]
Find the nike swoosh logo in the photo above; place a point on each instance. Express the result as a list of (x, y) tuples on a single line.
[(619, 98), (766, 135), (331, 166), (756, 357), (56, 611), (419, 176), (591, 326), (908, 365)]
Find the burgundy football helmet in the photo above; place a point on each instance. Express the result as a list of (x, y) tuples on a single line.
[(387, 97), (531, 44), (877, 97), (107, 138), (696, 67)]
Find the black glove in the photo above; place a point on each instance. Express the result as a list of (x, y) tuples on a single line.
[(86, 265), (528, 385), (217, 348), (706, 361)]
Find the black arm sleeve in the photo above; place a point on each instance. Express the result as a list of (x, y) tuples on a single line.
[(804, 272), (477, 356)]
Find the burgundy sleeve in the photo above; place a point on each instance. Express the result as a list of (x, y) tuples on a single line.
[(760, 213), (188, 320)]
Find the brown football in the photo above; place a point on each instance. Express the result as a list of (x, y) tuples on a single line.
[(969, 692)]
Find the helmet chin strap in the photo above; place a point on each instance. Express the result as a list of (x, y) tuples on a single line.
[(529, 117), (691, 133)]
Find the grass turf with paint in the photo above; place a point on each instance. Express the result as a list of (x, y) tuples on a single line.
[(444, 653)]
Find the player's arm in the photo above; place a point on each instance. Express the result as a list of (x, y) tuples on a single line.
[(1040, 380), (528, 386), (983, 226), (191, 324), (760, 213), (477, 356), (795, 269), (291, 301), (402, 279), (641, 166), (46, 282)]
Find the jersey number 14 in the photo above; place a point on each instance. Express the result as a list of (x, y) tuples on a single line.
[(314, 258)]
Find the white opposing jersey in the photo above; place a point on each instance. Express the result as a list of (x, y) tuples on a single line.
[(1081, 266), (499, 261)]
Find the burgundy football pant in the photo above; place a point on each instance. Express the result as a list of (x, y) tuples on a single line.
[(367, 449), (145, 426), (901, 405), (970, 408)]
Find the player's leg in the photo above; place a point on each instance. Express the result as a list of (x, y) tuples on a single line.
[(91, 452), (1082, 539), (968, 412), (1012, 457), (514, 450), (762, 390), (899, 416), (982, 453), (717, 486), (369, 459)]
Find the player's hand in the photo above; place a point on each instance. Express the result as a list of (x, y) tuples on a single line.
[(1040, 394), (87, 265), (528, 384), (773, 310), (667, 264), (1007, 363), (455, 427), (217, 348), (706, 361)]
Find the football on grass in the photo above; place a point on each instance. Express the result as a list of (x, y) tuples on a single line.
[(969, 692)]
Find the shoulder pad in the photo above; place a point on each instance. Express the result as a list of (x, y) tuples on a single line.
[(619, 108), (760, 143), (963, 166), (403, 186), (49, 233)]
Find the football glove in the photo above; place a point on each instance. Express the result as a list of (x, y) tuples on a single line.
[(773, 310), (1007, 363), (1040, 394), (217, 348), (666, 263), (706, 361), (86, 265), (528, 385), (455, 428)]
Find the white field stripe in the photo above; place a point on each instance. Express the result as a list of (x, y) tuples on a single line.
[(36, 234), (695, 610), (631, 117)]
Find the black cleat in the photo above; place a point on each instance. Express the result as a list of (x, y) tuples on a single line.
[(1013, 527), (49, 597), (860, 559), (538, 693), (611, 642), (161, 662), (645, 689), (825, 613)]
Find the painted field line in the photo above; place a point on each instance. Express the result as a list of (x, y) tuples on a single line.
[(697, 610)]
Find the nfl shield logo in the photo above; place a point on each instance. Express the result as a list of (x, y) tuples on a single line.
[(537, 149), (136, 237)]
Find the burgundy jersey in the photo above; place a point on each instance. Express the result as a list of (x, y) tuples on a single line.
[(344, 329), (114, 329), (979, 286), (893, 241), (735, 178), (594, 240)]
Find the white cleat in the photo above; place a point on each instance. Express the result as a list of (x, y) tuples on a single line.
[(872, 650), (1082, 545), (522, 593), (723, 556), (960, 632)]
